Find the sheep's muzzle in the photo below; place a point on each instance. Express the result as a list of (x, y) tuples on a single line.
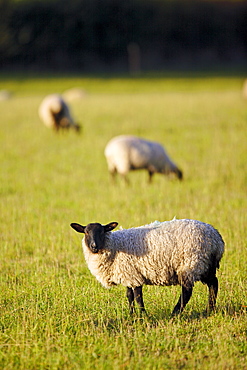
[(94, 248)]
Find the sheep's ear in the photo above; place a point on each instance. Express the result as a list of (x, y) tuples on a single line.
[(77, 227), (110, 226)]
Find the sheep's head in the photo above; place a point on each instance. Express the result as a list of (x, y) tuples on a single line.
[(94, 234), (179, 174)]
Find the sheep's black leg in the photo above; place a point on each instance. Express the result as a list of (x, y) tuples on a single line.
[(150, 176), (130, 296), (126, 180), (213, 291), (113, 175), (139, 298), (183, 300)]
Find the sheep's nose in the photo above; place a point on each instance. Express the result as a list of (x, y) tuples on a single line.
[(94, 247)]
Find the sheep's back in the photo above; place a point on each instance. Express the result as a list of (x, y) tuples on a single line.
[(162, 255)]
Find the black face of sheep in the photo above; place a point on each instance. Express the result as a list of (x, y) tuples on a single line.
[(94, 234)]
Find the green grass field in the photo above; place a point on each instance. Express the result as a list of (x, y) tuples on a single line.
[(54, 314)]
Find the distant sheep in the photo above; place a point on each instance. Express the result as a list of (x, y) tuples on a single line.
[(55, 113), (74, 94), (177, 252), (5, 95), (244, 89), (126, 153)]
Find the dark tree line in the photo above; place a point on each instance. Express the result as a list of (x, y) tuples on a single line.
[(113, 34)]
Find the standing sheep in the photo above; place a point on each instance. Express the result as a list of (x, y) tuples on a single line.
[(177, 252), (126, 153), (55, 113)]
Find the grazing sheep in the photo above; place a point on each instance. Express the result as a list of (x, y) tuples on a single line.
[(55, 113), (126, 153), (162, 253)]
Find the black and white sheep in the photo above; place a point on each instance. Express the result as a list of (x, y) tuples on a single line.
[(55, 113), (125, 153), (177, 252)]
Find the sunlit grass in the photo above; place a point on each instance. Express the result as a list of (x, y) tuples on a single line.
[(54, 314)]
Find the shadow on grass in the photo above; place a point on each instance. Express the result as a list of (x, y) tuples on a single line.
[(237, 309), (232, 310), (152, 320)]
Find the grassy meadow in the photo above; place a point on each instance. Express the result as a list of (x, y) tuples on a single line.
[(53, 312)]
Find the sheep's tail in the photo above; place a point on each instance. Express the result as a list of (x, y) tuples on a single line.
[(220, 251)]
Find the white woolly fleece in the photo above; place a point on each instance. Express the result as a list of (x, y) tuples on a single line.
[(161, 253), (51, 104), (126, 152)]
